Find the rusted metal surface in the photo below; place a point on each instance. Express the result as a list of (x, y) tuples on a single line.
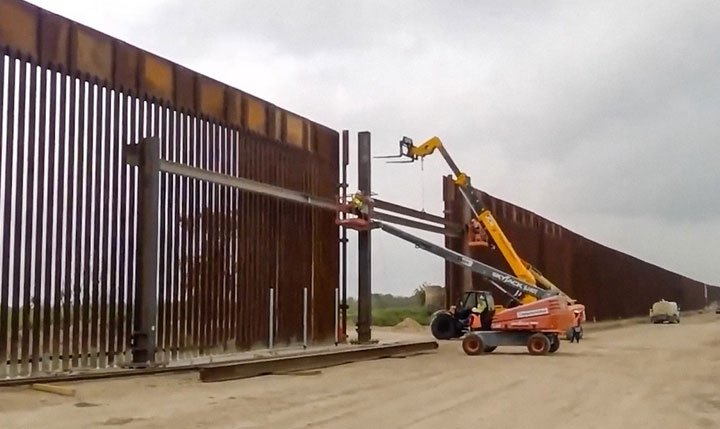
[(345, 154), (72, 99), (610, 283)]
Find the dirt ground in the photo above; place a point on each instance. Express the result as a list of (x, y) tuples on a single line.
[(636, 376)]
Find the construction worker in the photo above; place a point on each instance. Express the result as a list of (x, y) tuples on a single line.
[(359, 206), (576, 327), (477, 234), (473, 320)]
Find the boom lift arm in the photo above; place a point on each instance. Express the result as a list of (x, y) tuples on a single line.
[(476, 204), (521, 268), (495, 276)]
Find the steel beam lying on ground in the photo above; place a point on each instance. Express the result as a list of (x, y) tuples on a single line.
[(254, 368)]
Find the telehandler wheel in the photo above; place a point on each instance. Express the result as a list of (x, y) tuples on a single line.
[(444, 327), (538, 344), (473, 345), (555, 345)]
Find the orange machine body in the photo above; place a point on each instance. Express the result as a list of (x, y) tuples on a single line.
[(548, 315)]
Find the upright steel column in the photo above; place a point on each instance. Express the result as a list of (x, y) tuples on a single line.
[(146, 155), (451, 293), (364, 244), (458, 280), (465, 215), (344, 239)]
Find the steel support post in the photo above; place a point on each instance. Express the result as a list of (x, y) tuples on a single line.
[(450, 268), (465, 214), (147, 157), (364, 244), (457, 280), (344, 239)]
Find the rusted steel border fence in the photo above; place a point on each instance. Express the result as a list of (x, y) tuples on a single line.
[(610, 283), (70, 99)]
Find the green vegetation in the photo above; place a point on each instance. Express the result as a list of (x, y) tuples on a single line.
[(389, 310)]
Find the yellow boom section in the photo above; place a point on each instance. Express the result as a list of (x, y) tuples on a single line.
[(520, 268), (482, 214)]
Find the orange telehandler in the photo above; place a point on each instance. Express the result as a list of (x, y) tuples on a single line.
[(535, 325), (484, 230)]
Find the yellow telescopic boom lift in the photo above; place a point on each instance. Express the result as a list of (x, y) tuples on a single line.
[(482, 217)]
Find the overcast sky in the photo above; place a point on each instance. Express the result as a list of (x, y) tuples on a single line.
[(601, 116)]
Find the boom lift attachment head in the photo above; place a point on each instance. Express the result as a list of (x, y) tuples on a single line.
[(406, 151)]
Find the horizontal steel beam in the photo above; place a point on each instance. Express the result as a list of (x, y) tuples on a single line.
[(95, 375), (254, 368), (247, 185), (407, 211), (131, 157), (450, 229), (384, 351), (386, 217)]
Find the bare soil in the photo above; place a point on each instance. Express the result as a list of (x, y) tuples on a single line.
[(633, 376), (409, 324)]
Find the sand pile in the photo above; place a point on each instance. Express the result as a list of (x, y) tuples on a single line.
[(408, 324)]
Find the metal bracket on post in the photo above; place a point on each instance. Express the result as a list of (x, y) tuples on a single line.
[(146, 156)]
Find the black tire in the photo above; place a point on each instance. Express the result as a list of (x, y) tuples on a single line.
[(489, 349), (473, 345), (444, 327), (538, 344), (555, 345), (568, 334)]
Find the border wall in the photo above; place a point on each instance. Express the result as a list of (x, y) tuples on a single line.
[(71, 98), (610, 283)]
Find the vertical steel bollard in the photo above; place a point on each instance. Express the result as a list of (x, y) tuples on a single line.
[(271, 330), (337, 312), (305, 307)]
